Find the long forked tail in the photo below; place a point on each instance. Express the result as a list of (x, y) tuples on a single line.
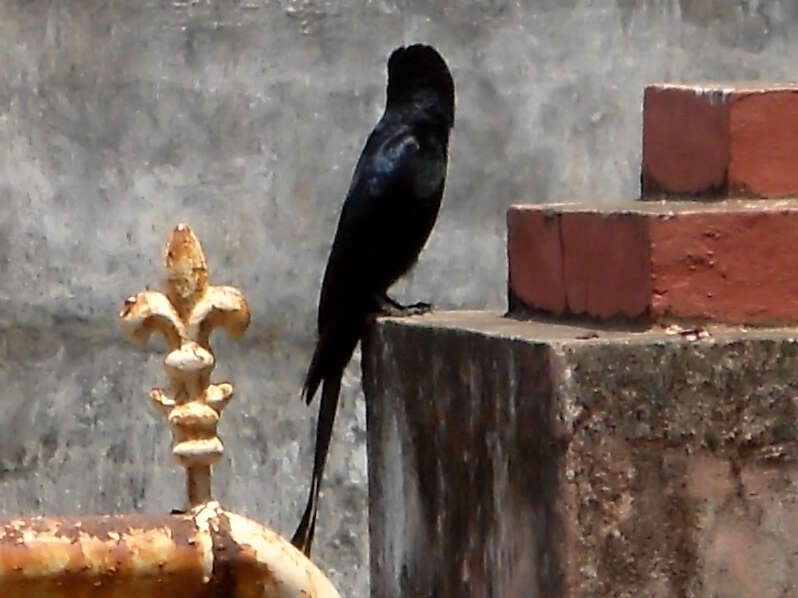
[(303, 536), (333, 351)]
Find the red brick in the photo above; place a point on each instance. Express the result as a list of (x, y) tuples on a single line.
[(736, 266), (720, 141), (731, 261), (605, 264), (534, 246)]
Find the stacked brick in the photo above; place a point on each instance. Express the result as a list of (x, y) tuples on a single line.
[(715, 236)]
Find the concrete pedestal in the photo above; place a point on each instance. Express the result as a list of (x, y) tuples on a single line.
[(531, 458)]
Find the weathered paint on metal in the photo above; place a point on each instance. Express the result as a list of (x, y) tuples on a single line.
[(101, 556), (186, 313), (208, 552)]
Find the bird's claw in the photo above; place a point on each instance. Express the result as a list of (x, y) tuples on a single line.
[(390, 308), (417, 309)]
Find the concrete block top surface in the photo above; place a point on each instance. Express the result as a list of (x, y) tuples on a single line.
[(664, 207), (554, 331), (727, 87)]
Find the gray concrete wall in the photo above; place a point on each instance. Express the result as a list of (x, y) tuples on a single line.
[(245, 119)]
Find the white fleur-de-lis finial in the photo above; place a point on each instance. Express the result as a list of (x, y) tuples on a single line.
[(186, 314)]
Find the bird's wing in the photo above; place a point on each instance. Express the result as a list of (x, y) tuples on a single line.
[(385, 166), (383, 176)]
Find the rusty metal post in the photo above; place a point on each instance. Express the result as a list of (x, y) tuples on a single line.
[(207, 552)]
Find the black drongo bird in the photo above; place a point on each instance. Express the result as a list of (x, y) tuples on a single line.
[(389, 212)]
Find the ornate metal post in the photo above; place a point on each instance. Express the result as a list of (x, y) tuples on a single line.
[(186, 314), (204, 553)]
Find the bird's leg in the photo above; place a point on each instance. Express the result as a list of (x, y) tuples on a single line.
[(392, 308)]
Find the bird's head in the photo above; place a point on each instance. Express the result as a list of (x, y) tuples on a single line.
[(418, 74)]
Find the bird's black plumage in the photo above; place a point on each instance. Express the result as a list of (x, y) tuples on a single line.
[(388, 214)]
